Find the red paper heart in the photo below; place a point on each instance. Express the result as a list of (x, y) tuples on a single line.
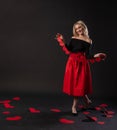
[(55, 110), (66, 121), (14, 118)]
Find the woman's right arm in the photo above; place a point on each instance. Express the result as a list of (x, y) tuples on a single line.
[(61, 41)]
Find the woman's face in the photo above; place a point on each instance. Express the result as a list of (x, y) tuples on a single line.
[(79, 29)]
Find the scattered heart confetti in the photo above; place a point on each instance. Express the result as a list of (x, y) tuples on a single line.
[(101, 122), (66, 121), (93, 118), (55, 110), (86, 112), (7, 105), (102, 108), (6, 112), (103, 105), (110, 112), (16, 98), (33, 110), (14, 118), (5, 101), (97, 108), (109, 116)]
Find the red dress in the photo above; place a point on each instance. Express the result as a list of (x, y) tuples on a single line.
[(77, 78)]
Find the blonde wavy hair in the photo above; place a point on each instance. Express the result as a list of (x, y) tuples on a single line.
[(83, 25)]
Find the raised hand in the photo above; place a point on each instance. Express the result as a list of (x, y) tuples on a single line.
[(58, 35), (101, 55), (61, 41)]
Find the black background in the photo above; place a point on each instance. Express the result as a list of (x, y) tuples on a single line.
[(31, 60)]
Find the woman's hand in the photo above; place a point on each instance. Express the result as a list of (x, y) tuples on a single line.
[(60, 39), (58, 35), (100, 55)]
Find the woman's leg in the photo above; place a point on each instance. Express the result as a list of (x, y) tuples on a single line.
[(74, 106), (87, 101)]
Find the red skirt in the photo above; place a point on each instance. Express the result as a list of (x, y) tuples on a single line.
[(77, 77)]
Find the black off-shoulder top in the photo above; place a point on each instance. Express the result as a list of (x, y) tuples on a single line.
[(77, 45)]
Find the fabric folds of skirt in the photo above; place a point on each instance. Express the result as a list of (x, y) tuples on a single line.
[(77, 77)]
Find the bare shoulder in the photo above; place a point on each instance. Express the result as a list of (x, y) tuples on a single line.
[(89, 40)]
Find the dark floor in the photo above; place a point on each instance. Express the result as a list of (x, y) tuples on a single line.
[(53, 112)]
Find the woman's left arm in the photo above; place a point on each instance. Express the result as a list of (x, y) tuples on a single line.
[(98, 57)]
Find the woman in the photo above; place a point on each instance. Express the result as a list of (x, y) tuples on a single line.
[(77, 77)]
